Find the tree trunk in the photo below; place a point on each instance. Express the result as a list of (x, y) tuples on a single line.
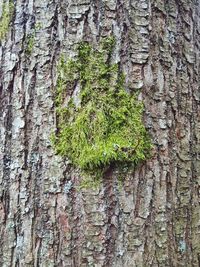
[(151, 218)]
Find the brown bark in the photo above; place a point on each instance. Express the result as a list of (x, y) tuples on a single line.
[(152, 219)]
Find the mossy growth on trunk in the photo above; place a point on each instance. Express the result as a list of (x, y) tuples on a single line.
[(104, 127), (5, 19)]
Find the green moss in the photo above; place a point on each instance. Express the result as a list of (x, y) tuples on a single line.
[(30, 39), (7, 12), (30, 43), (38, 26), (106, 126)]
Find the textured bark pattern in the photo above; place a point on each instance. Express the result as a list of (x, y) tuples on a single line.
[(152, 218)]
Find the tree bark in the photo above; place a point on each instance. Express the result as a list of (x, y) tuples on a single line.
[(152, 218)]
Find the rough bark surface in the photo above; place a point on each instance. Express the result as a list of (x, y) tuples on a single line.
[(151, 219)]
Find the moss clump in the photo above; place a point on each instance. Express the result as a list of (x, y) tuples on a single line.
[(30, 39), (105, 127), (7, 11), (30, 44)]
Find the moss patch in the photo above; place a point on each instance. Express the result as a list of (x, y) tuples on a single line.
[(5, 19), (30, 43), (30, 39), (105, 125)]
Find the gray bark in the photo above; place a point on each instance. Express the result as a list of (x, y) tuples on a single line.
[(152, 218)]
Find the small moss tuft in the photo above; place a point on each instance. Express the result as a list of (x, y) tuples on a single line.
[(7, 12), (30, 44), (105, 127)]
